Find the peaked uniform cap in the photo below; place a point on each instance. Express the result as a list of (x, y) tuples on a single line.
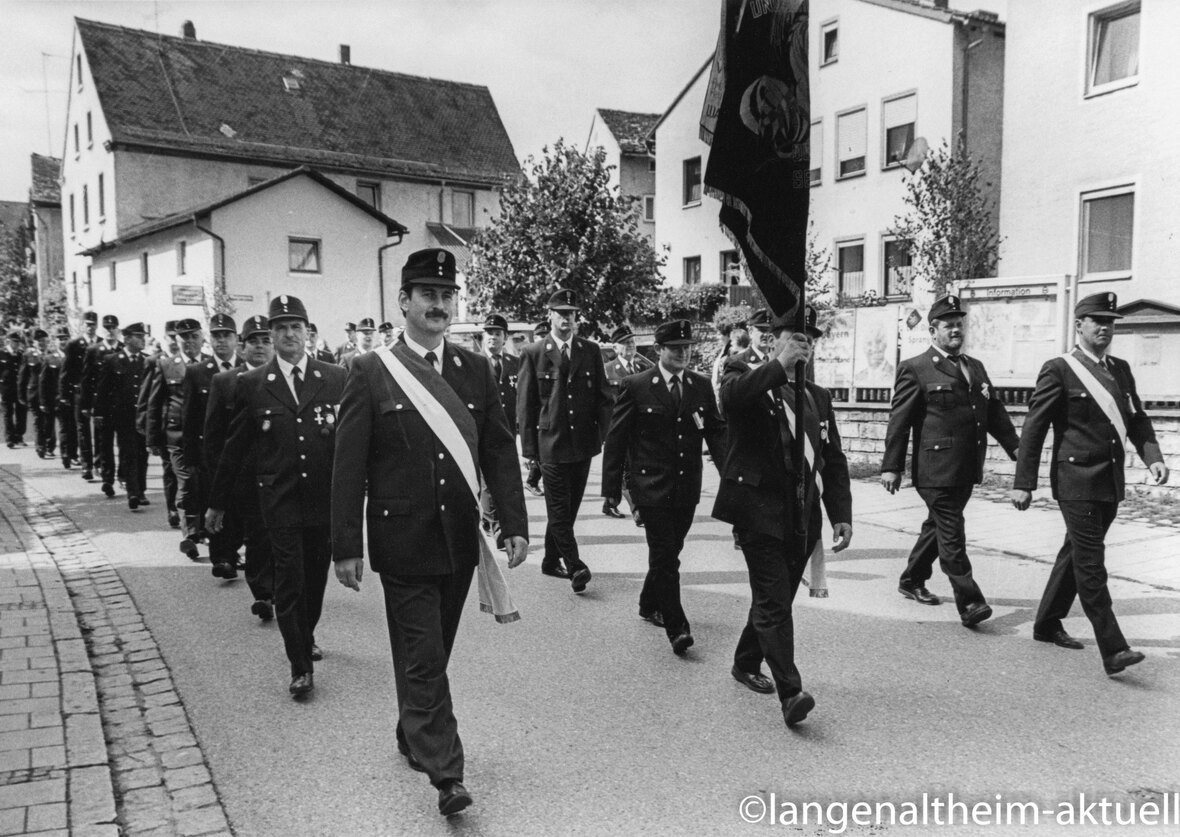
[(110, 321), (386, 327), (222, 322), (432, 266), (90, 317), (541, 327), (255, 325), (495, 321), (366, 324), (946, 306), (186, 325), (286, 307), (563, 300), (759, 319), (810, 322), (350, 326), (1101, 306), (170, 328), (675, 333), (622, 333), (40, 334), (63, 332), (135, 328)]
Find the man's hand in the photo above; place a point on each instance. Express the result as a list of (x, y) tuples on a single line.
[(215, 520), (794, 350), (1020, 498), (842, 532), (349, 572), (518, 550), (891, 481), (1159, 471)]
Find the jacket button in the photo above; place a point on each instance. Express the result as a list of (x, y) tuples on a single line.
[(442, 482), (303, 456), (739, 479), (440, 456), (303, 475), (470, 406), (301, 438), (443, 507), (936, 447), (385, 513), (398, 407), (1071, 459), (299, 421)]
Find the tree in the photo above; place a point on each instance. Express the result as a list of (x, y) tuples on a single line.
[(564, 226), (948, 232), (18, 276)]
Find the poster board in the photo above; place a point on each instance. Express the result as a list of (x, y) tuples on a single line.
[(833, 351), (875, 347)]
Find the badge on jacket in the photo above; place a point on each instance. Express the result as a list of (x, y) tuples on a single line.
[(698, 421), (823, 430), (985, 389)]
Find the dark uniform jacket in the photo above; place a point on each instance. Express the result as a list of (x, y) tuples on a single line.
[(324, 356), (757, 480), (118, 389), (422, 517), (1087, 460), (69, 385), (165, 401), (663, 443), (950, 421), (194, 396), (48, 385), (219, 414), (509, 372), (29, 381), (10, 365), (616, 371), (92, 368), (293, 442), (562, 419)]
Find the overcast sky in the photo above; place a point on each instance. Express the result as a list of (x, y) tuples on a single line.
[(548, 63)]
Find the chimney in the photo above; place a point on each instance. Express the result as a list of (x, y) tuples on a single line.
[(188, 31), (345, 54)]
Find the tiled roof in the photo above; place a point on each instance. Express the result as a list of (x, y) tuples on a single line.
[(46, 188), (180, 93), (629, 129), (177, 219)]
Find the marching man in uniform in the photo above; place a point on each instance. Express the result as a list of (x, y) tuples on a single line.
[(1090, 401)]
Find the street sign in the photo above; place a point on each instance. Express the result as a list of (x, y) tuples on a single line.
[(188, 295)]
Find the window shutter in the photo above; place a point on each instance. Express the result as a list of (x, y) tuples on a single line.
[(851, 130), (901, 111)]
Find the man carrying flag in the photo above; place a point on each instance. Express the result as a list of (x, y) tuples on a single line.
[(420, 422)]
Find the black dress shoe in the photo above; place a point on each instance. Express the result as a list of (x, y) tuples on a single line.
[(133, 503), (681, 644), (316, 653), (301, 684), (87, 475), (411, 759), (1120, 660), (65, 463), (653, 616), (580, 579), (263, 609), (452, 798), (1058, 637), (226, 571), (555, 569), (108, 489), (795, 708), (975, 613), (754, 681), (174, 519), (535, 490), (611, 511), (919, 594), (144, 501), (190, 549), (637, 517)]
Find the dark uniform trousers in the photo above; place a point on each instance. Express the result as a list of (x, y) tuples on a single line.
[(85, 436), (133, 459), (15, 419), (259, 563), (68, 432), (942, 538), (666, 528), (565, 484), (302, 556)]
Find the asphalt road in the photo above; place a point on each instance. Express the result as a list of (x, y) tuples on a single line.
[(579, 720)]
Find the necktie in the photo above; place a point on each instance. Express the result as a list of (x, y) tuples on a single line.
[(432, 359), (297, 380), (496, 366), (675, 387), (953, 359), (565, 361), (225, 366)]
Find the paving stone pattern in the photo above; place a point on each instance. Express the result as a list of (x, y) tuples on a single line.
[(94, 739)]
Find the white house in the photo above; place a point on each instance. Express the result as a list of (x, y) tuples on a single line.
[(623, 136)]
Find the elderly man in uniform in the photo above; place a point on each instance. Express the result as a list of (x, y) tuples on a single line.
[(757, 495), (627, 362), (103, 435), (532, 482), (387, 334), (417, 423), (55, 412), (285, 415), (70, 391), (29, 390), (349, 345), (1089, 399), (364, 341), (15, 413), (115, 401), (660, 419), (505, 368), (757, 327), (564, 404), (313, 346), (947, 401), (243, 517), (198, 378)]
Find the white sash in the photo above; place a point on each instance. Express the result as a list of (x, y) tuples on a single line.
[(494, 596), (1100, 394), (815, 574)]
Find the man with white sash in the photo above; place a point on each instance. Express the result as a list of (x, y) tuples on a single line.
[(757, 496), (1090, 401), (420, 423)]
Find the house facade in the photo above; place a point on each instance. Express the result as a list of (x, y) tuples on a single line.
[(870, 100), (45, 208), (623, 136), (157, 125)]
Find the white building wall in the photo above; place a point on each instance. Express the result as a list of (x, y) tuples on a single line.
[(600, 135), (1059, 143)]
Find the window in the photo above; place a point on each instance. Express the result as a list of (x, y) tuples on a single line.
[(102, 202), (692, 181), (78, 66), (303, 255), (850, 267), (731, 268), (74, 285), (463, 209), (181, 258), (77, 143), (143, 269), (114, 277), (692, 270), (89, 285), (649, 208), (370, 193), (85, 206), (829, 35), (1113, 49), (73, 226), (1107, 233), (651, 163), (897, 268), (850, 143), (89, 130), (898, 116), (817, 152)]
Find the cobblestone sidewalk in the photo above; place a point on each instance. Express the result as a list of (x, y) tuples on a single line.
[(93, 737)]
